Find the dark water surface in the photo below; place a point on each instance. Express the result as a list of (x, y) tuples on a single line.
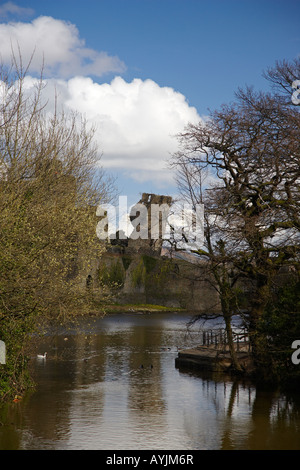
[(92, 393)]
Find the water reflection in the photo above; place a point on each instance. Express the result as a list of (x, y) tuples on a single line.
[(114, 385)]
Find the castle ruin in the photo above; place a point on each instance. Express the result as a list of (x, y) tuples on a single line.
[(152, 241)]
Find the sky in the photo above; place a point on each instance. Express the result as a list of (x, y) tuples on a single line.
[(141, 70)]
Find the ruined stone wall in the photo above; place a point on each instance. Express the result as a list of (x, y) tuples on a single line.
[(136, 271), (141, 278)]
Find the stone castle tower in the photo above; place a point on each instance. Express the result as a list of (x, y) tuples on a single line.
[(150, 245)]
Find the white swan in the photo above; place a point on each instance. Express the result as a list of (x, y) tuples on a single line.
[(42, 356)]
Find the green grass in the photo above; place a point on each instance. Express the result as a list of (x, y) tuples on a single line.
[(140, 307)]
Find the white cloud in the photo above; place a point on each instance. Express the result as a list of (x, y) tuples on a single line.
[(9, 8), (136, 122), (58, 43)]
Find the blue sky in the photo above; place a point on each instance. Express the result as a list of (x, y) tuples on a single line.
[(142, 69)]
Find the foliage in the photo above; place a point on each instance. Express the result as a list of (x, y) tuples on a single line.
[(151, 273), (280, 326), (49, 187), (250, 150), (138, 274), (112, 276), (149, 263), (126, 260), (14, 375)]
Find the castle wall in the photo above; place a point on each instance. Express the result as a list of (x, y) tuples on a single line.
[(141, 278), (137, 273)]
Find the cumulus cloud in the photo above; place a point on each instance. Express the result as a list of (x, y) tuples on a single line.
[(58, 44), (135, 122)]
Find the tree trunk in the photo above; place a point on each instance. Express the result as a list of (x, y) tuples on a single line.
[(235, 363), (257, 310)]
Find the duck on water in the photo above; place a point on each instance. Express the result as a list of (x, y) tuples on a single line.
[(42, 356)]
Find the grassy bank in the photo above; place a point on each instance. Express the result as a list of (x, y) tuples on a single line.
[(137, 308)]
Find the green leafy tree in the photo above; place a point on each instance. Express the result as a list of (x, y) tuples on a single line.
[(50, 185)]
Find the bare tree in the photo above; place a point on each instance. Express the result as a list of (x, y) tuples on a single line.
[(192, 176), (282, 78), (252, 208)]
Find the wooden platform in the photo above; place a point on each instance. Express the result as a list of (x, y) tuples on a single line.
[(211, 359)]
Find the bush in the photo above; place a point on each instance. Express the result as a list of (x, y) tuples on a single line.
[(280, 327)]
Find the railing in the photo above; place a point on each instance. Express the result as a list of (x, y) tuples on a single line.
[(218, 339)]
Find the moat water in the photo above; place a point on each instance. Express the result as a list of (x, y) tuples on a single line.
[(113, 384)]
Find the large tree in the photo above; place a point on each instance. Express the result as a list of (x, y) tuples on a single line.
[(50, 186), (252, 149)]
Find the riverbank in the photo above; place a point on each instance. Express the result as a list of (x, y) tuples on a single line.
[(138, 308)]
